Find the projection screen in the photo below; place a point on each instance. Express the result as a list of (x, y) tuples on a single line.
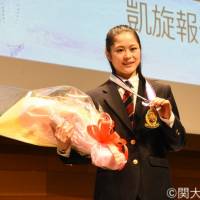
[(46, 42)]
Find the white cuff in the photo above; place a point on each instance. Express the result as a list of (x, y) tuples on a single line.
[(170, 121)]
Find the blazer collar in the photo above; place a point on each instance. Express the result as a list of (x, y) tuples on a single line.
[(139, 108)]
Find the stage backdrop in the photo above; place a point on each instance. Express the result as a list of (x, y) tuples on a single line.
[(65, 43)]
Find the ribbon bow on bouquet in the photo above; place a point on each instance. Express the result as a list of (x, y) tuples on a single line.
[(30, 120), (108, 140)]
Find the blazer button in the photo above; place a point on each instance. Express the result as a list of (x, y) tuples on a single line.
[(177, 132), (135, 161), (133, 141)]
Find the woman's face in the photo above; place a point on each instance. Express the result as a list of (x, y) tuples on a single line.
[(125, 54)]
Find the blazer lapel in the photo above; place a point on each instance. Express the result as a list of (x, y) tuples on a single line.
[(113, 100), (139, 108)]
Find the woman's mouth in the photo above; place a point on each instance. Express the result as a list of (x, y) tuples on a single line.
[(128, 63)]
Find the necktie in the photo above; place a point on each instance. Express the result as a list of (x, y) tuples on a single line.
[(128, 103)]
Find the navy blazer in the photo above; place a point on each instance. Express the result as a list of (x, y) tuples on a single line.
[(147, 171)]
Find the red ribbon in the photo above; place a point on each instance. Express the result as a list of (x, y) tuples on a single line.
[(103, 132)]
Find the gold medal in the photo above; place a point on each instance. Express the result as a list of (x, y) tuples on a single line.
[(151, 119)]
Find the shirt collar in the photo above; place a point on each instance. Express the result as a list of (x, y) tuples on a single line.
[(133, 79)]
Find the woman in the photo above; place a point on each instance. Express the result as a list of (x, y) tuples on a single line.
[(150, 130)]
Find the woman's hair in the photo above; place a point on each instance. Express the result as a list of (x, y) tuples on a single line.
[(110, 39)]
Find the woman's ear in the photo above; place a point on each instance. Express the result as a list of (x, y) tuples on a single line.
[(108, 55)]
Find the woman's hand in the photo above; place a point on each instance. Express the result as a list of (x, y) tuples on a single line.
[(63, 133), (163, 107)]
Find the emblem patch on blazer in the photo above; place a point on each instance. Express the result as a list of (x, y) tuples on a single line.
[(151, 119)]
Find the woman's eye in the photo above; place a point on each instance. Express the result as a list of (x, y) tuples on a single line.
[(119, 50), (133, 49)]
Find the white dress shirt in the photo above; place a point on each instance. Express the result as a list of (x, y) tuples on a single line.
[(134, 80)]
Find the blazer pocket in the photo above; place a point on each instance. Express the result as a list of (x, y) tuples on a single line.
[(158, 162)]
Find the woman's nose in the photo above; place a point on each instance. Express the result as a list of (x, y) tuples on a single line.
[(128, 54)]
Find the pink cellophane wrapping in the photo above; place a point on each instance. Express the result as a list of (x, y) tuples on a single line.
[(32, 117)]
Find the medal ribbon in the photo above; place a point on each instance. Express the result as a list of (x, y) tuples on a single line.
[(149, 89)]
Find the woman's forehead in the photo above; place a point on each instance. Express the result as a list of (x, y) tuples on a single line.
[(125, 37)]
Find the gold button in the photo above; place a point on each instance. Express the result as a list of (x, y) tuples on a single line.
[(135, 161), (177, 132), (133, 142)]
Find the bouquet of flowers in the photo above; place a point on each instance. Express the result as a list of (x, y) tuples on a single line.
[(33, 118)]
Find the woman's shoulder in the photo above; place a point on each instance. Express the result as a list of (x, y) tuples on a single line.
[(157, 84), (99, 88)]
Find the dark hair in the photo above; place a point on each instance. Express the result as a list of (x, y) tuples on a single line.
[(110, 39)]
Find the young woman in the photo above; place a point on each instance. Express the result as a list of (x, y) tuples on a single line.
[(151, 130)]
